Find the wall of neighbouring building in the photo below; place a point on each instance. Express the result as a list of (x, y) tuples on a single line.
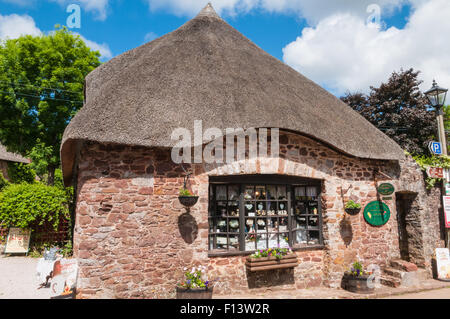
[(130, 239), (4, 168)]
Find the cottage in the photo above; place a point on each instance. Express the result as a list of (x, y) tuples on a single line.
[(132, 236), (8, 157)]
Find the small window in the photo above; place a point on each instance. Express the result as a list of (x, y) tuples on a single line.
[(245, 216)]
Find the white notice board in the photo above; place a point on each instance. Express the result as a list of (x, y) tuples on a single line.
[(18, 241)]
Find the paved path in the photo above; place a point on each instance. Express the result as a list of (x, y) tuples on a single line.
[(18, 279), (433, 294)]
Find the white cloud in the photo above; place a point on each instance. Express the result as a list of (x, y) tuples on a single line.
[(13, 26), (344, 53), (103, 48), (312, 11), (150, 36)]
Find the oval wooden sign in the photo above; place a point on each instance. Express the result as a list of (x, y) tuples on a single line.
[(386, 189), (377, 213)]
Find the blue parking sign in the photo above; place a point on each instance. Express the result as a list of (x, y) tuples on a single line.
[(435, 148)]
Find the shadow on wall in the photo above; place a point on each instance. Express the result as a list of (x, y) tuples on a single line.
[(264, 279), (188, 228), (346, 231)]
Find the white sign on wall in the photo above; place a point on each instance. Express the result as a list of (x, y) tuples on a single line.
[(443, 263), (447, 211)]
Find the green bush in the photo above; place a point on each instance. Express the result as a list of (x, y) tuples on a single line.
[(21, 173), (27, 205), (432, 161), (3, 182)]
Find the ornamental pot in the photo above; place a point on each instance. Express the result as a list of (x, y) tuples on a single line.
[(194, 293), (269, 263), (188, 201), (357, 284), (352, 211)]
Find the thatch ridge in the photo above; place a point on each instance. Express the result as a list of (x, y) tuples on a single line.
[(206, 70), (11, 157)]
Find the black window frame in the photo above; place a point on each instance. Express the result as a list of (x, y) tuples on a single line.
[(291, 182)]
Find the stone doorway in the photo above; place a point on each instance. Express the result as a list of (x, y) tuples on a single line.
[(410, 240)]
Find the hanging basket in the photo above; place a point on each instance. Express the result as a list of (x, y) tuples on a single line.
[(352, 211), (188, 201)]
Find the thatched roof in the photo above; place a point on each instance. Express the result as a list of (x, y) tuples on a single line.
[(11, 157), (206, 70)]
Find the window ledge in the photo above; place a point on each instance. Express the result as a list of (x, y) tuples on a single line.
[(248, 253)]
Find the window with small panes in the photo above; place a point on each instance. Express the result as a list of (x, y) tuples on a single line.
[(249, 213)]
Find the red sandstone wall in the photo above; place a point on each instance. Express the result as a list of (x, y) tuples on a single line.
[(127, 235)]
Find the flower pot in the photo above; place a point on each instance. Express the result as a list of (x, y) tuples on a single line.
[(357, 284), (352, 211), (188, 201), (269, 263), (200, 293)]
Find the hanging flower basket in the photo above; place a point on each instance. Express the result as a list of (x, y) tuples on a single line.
[(352, 211), (352, 208), (188, 201)]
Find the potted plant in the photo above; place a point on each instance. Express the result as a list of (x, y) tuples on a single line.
[(186, 198), (272, 258), (352, 208), (195, 285), (357, 280)]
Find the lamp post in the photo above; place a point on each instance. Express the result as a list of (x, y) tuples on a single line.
[(436, 95)]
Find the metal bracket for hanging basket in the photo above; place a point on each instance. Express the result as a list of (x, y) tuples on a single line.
[(187, 201)]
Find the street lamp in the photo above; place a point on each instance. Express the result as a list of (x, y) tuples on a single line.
[(436, 95)]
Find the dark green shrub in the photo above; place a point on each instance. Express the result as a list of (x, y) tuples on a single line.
[(27, 205), (21, 173), (3, 182)]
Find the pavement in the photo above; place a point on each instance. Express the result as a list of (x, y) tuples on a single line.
[(18, 281), (430, 289)]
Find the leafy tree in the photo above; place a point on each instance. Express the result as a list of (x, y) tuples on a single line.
[(21, 173), (400, 110), (41, 89)]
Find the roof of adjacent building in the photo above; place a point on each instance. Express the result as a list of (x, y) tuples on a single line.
[(11, 157), (206, 70)]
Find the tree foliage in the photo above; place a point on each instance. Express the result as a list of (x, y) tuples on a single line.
[(28, 205), (21, 173), (400, 110), (41, 89)]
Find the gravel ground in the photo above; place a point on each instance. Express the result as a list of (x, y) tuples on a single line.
[(18, 279)]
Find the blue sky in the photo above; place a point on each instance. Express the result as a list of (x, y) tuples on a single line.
[(329, 41)]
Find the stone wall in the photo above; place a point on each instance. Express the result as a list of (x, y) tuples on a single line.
[(133, 238), (4, 168)]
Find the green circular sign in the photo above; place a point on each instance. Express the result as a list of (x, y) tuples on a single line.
[(377, 213), (386, 189)]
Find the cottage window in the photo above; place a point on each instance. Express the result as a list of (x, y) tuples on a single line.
[(249, 213)]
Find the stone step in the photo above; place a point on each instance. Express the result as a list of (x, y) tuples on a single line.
[(403, 265), (394, 272), (390, 281)]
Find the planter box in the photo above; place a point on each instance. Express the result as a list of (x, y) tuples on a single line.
[(269, 263), (183, 293), (356, 284)]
